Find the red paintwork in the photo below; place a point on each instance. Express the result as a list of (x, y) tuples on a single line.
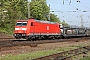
[(38, 28)]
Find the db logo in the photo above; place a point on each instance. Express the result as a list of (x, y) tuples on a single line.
[(47, 27)]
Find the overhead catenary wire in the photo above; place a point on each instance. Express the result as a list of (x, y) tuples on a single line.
[(68, 18), (81, 5), (76, 8)]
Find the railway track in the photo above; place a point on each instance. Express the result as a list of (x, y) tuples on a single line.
[(66, 55), (6, 39), (13, 43)]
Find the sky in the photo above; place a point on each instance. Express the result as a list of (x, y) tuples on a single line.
[(71, 11)]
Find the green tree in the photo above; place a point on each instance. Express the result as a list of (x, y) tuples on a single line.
[(65, 24), (54, 18), (11, 10), (39, 9)]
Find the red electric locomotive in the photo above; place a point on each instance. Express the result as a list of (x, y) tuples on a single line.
[(36, 29)]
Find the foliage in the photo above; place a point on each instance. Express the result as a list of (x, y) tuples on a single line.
[(65, 24), (39, 9), (54, 18), (10, 11)]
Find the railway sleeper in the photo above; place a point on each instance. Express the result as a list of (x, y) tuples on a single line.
[(66, 55)]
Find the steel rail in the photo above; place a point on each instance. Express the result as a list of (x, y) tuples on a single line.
[(12, 43), (65, 55)]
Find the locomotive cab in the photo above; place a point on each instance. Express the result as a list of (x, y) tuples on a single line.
[(20, 29)]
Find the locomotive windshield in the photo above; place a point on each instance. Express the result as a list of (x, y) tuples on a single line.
[(21, 24)]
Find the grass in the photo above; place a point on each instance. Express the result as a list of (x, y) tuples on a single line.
[(80, 56), (30, 56), (86, 58)]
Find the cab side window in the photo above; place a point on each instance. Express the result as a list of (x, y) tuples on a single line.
[(31, 23), (59, 26)]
